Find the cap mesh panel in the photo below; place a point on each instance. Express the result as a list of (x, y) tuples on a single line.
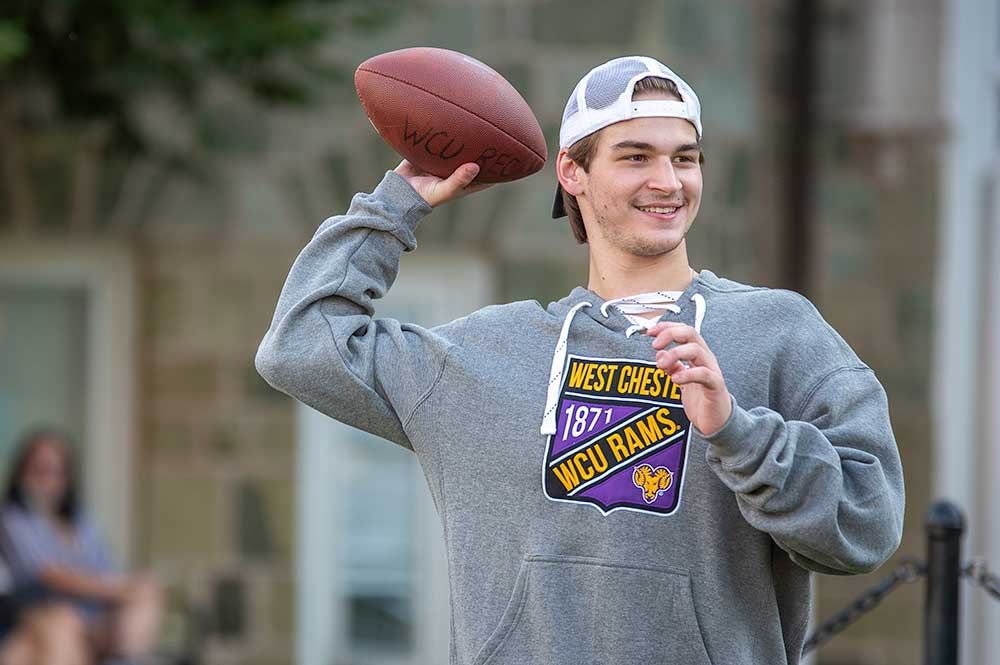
[(607, 83), (571, 108)]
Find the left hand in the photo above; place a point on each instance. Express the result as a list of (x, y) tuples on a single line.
[(703, 389)]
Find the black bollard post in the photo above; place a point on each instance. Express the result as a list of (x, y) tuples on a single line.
[(944, 527)]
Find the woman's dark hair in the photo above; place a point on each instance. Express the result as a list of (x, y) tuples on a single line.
[(69, 505)]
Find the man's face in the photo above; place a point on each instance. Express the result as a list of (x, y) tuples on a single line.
[(641, 164)]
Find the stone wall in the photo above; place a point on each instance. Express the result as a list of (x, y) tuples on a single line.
[(217, 473)]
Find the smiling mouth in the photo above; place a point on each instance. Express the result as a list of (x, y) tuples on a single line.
[(661, 212)]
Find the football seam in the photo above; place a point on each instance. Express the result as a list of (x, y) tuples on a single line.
[(473, 113)]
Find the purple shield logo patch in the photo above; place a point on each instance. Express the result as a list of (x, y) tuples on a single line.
[(621, 438)]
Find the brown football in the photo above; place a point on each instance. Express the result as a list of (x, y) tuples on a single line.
[(440, 109)]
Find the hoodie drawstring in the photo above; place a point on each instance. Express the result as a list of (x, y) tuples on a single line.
[(556, 374), (559, 355), (699, 311)]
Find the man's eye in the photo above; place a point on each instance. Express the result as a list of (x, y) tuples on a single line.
[(685, 158), (636, 157)]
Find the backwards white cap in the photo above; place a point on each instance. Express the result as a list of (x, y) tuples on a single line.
[(604, 97)]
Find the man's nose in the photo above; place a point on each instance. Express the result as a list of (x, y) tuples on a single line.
[(665, 177)]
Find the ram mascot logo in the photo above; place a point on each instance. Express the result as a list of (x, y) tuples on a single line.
[(652, 482)]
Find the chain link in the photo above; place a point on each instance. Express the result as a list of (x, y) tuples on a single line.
[(910, 570), (980, 576)]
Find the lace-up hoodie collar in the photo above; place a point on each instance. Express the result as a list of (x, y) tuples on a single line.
[(603, 311)]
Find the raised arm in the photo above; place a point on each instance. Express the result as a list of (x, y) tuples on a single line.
[(324, 347)]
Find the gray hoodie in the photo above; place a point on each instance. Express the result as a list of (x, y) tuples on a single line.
[(586, 520)]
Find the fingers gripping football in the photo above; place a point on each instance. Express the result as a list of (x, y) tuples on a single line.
[(437, 190)]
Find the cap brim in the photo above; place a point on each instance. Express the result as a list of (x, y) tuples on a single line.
[(557, 206)]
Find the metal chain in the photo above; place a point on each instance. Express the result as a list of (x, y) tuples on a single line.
[(980, 576), (910, 570)]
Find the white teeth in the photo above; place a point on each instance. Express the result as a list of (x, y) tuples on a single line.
[(662, 211)]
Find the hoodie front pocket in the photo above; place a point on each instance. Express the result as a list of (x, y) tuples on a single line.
[(586, 611)]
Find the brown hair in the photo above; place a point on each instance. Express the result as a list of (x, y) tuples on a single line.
[(69, 503), (583, 151)]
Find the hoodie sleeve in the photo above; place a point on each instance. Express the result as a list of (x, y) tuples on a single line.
[(324, 347), (827, 485)]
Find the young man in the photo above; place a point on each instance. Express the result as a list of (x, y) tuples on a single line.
[(683, 482)]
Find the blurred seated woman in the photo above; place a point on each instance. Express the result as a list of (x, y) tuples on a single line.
[(73, 605)]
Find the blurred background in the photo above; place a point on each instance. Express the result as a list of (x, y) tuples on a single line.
[(162, 163)]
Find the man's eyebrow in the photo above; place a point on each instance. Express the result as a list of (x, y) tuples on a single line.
[(642, 145), (633, 145)]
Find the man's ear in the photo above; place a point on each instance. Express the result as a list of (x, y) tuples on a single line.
[(569, 173)]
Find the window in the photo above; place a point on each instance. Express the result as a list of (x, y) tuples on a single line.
[(67, 344), (42, 353), (373, 584)]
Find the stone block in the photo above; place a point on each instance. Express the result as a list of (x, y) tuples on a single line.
[(276, 437), (847, 203), (282, 609), (224, 440), (184, 519), (269, 660), (595, 23), (232, 128), (264, 205), (240, 315), (336, 169), (169, 438), (229, 608), (191, 380), (688, 26), (177, 619), (254, 529), (543, 282), (279, 501), (455, 26), (166, 306), (915, 317), (728, 107), (739, 179), (266, 519)]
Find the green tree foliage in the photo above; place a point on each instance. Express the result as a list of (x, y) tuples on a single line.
[(99, 98), (13, 41), (93, 58)]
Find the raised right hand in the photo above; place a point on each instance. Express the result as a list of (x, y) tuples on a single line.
[(437, 190)]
